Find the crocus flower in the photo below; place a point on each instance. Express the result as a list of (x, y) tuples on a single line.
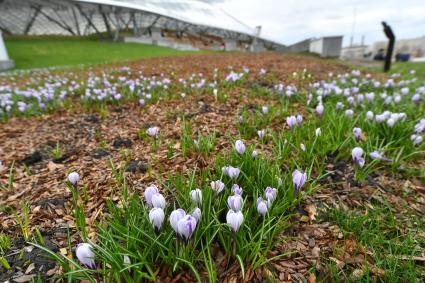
[(261, 133), (298, 179), (231, 172), (85, 255), (175, 217), (73, 178), (149, 192), (196, 196), (420, 126), (264, 109), (240, 147), (299, 120), (153, 132), (416, 139), (186, 227), (318, 132), (156, 217), (158, 200), (357, 132), (197, 214), (302, 146), (271, 194), (391, 122), (319, 110), (217, 186), (261, 206), (236, 189), (357, 154), (291, 121), (235, 202), (339, 105), (234, 220), (254, 154)]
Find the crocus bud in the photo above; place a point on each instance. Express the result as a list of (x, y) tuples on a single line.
[(319, 110), (126, 260), (85, 255), (318, 132), (149, 192), (156, 217), (175, 217), (339, 105), (302, 146), (261, 133), (378, 155), (234, 220), (299, 180), (73, 178), (254, 154), (186, 227), (235, 202), (153, 132), (271, 194), (357, 132), (196, 196), (369, 115), (197, 214), (158, 200), (349, 113), (279, 182), (217, 186), (265, 110), (416, 98), (357, 154), (236, 189), (261, 206), (240, 147)]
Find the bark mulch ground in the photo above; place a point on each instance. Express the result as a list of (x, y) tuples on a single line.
[(89, 141)]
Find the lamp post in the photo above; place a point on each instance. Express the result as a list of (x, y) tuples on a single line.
[(5, 62)]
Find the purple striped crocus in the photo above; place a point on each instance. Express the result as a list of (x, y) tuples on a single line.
[(156, 217), (234, 220), (299, 180), (85, 255), (235, 202), (186, 227), (357, 156)]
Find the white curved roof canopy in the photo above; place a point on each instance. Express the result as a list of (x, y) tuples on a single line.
[(189, 11), (83, 17)]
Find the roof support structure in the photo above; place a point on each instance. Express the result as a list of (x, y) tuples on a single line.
[(32, 20), (88, 19), (63, 26)]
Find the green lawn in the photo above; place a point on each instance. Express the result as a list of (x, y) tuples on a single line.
[(39, 52), (405, 67)]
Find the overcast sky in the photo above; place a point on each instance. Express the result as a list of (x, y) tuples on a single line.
[(289, 21)]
